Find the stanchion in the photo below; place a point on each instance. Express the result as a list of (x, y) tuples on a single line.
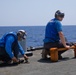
[(54, 54)]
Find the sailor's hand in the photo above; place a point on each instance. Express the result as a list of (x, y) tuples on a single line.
[(68, 47), (25, 57), (15, 60)]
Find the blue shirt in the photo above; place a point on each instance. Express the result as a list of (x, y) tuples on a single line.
[(7, 43), (52, 29)]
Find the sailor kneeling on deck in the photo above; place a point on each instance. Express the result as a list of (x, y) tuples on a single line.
[(54, 36), (10, 47)]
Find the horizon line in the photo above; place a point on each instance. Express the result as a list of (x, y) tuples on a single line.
[(31, 25)]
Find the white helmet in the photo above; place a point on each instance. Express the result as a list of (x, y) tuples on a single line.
[(21, 33)]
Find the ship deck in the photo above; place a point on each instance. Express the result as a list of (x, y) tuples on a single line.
[(37, 66)]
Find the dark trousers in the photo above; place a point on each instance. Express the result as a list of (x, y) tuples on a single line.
[(49, 45), (4, 56)]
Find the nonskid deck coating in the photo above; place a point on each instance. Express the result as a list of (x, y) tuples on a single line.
[(37, 66)]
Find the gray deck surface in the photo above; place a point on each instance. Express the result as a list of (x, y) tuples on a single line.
[(42, 67)]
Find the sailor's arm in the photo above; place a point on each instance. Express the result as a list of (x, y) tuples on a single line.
[(62, 38), (61, 35), (22, 51)]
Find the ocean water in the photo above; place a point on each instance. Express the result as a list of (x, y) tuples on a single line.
[(35, 34)]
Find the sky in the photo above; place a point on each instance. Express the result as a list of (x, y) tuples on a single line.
[(35, 12)]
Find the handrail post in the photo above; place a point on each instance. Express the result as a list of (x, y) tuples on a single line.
[(54, 54)]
